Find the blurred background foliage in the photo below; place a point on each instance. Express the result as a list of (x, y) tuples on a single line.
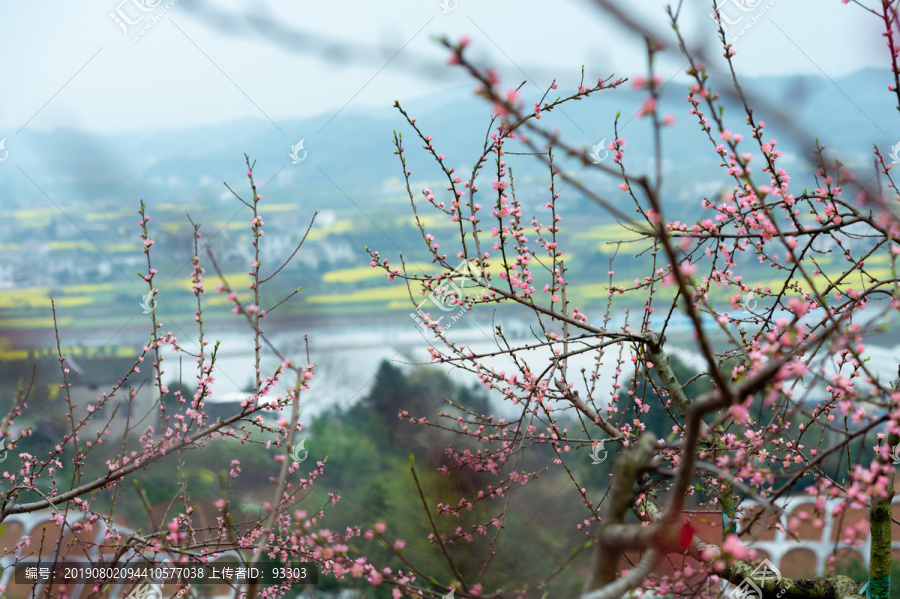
[(366, 448)]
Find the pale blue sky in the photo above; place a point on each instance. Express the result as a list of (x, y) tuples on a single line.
[(69, 64)]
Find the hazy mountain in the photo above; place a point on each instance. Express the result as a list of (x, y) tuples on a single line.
[(353, 148)]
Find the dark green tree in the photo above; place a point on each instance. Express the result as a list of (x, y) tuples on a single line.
[(640, 398)]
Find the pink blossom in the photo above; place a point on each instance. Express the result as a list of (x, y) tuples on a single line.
[(739, 412), (648, 107), (734, 547)]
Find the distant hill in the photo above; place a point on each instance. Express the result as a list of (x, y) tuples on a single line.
[(353, 148)]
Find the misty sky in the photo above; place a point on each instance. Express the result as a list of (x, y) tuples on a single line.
[(69, 64)]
